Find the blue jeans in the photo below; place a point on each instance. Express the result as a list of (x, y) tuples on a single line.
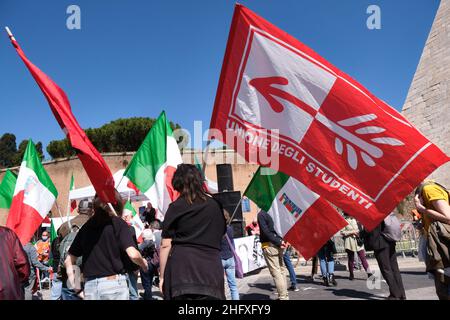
[(132, 281), (67, 294), (230, 271), (107, 289), (326, 261), (290, 267), (56, 289), (147, 281)]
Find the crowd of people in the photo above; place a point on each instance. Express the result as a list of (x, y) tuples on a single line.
[(191, 254)]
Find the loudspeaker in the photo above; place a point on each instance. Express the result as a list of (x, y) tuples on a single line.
[(229, 201), (238, 228), (224, 177)]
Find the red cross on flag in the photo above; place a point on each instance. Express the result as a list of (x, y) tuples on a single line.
[(278, 96)]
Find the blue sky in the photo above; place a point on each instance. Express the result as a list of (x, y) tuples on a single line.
[(135, 58)]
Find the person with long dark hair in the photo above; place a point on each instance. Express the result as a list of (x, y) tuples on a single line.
[(193, 227), (102, 242)]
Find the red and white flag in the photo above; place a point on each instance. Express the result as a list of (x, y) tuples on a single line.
[(333, 135), (95, 166)]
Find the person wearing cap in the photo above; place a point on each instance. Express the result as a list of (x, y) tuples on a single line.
[(85, 211)]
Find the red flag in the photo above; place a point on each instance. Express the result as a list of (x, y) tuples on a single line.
[(337, 138), (92, 161)]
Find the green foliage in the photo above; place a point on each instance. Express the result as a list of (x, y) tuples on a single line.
[(8, 150), (121, 135), (10, 155)]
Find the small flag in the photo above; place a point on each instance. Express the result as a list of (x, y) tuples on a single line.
[(53, 236), (209, 185), (136, 221), (73, 203), (7, 189)]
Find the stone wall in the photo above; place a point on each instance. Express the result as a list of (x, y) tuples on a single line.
[(428, 103), (61, 170)]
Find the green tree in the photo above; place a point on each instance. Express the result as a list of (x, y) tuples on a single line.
[(10, 155), (21, 151), (121, 135), (8, 149)]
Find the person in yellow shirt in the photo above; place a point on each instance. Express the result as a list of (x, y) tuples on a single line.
[(432, 202)]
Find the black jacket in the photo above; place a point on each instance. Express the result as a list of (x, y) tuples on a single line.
[(374, 240), (267, 229)]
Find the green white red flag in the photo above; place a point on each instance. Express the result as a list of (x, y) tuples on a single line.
[(7, 189), (152, 167), (136, 221), (34, 196), (301, 217), (73, 203)]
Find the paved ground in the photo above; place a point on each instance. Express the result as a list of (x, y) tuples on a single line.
[(417, 284), (259, 285)]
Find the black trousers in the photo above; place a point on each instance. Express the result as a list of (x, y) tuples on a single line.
[(387, 261)]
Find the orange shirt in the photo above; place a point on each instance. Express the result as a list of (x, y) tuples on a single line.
[(43, 250)]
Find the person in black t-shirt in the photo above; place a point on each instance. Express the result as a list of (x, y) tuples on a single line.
[(149, 214), (193, 228), (131, 268), (101, 242)]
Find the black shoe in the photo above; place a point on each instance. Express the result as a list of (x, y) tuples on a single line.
[(332, 280), (294, 288), (351, 277), (326, 282)]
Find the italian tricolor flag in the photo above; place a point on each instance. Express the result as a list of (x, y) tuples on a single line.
[(34, 196), (300, 216), (136, 221), (152, 167), (7, 189), (73, 203)]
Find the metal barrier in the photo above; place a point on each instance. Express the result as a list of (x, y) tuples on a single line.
[(409, 244)]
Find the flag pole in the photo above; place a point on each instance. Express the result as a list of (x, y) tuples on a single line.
[(68, 212), (235, 210), (10, 35), (204, 158), (68, 206), (112, 209), (59, 211)]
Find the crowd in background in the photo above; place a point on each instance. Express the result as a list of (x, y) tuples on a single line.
[(191, 255)]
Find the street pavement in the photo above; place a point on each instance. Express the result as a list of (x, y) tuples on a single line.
[(418, 285), (260, 286)]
